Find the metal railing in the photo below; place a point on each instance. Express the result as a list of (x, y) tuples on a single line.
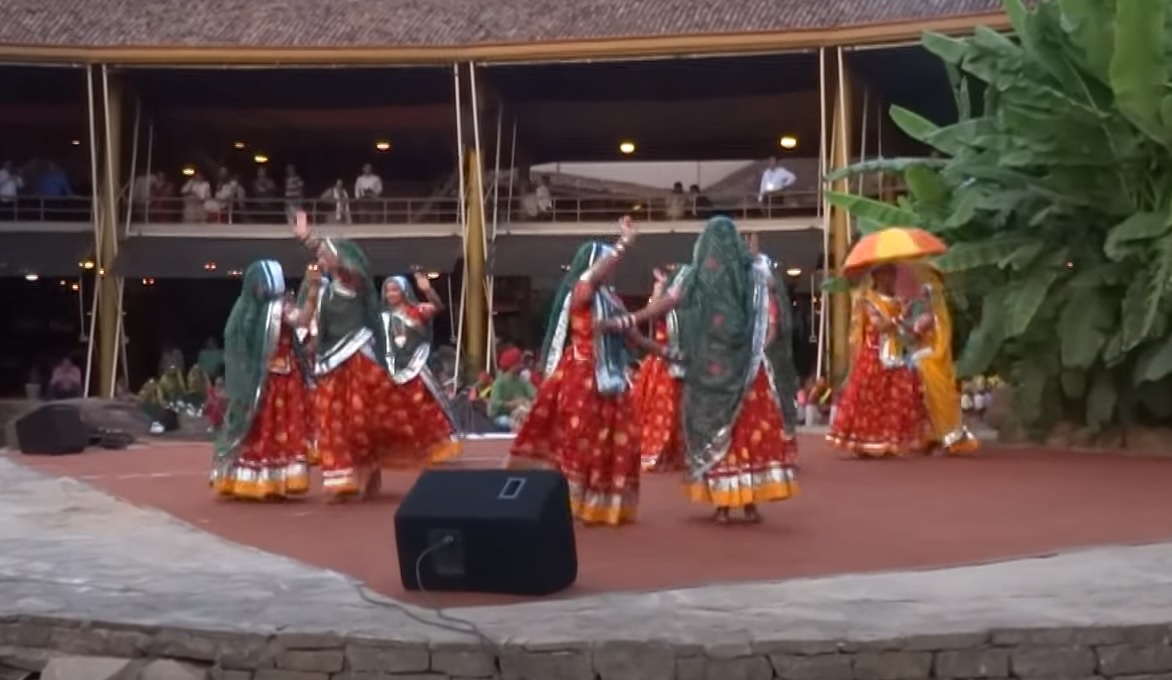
[(661, 208), (46, 209), (433, 210)]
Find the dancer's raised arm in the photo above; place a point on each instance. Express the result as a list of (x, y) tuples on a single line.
[(601, 269)]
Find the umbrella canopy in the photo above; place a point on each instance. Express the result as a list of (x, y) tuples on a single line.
[(894, 244)]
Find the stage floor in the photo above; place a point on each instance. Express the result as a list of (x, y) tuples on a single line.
[(851, 516)]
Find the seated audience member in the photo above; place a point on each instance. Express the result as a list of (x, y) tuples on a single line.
[(510, 392), (66, 380)]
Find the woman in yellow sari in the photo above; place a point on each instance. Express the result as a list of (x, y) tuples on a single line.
[(931, 357)]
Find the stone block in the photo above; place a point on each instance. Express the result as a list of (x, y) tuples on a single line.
[(893, 665), (525, 665), (729, 650), (743, 668), (246, 652), (311, 641), (389, 658), (28, 659), (185, 645), (691, 668), (166, 669), (1052, 662), (945, 642), (1134, 659), (88, 641), (218, 673), (279, 674), (632, 661), (321, 660), (463, 661), (26, 634), (1033, 637), (1157, 676), (824, 667), (1123, 635), (972, 663), (797, 647), (88, 668)]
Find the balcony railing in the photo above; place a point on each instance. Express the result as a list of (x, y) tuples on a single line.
[(46, 209), (435, 210), (672, 208)]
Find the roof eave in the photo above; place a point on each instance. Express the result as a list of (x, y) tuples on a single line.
[(628, 47)]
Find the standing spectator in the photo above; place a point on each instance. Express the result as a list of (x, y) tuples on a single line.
[(10, 185), (339, 199), (197, 198), (227, 194), (701, 204), (544, 197), (294, 193), (674, 208), (264, 194), (774, 180), (368, 188), (54, 183), (66, 381)]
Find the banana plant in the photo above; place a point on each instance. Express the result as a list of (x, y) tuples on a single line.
[(1054, 191)]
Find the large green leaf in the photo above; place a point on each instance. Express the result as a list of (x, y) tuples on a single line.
[(1102, 401), (927, 186), (1091, 27), (1025, 299), (875, 211), (1084, 326), (1139, 68), (985, 342), (894, 166), (1139, 227), (1155, 362), (949, 49), (976, 254)]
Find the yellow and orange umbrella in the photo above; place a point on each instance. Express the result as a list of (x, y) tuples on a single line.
[(894, 244)]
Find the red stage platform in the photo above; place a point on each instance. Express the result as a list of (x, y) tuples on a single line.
[(852, 516)]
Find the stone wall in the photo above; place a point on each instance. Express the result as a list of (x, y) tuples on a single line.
[(129, 652)]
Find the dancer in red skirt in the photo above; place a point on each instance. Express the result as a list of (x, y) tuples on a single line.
[(881, 412), (261, 447), (734, 430), (658, 389), (421, 427), (583, 422), (349, 375)]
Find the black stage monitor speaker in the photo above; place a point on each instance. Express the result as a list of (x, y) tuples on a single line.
[(52, 430), (488, 531)]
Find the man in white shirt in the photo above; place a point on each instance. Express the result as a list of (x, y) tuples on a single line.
[(197, 194), (544, 197), (10, 185), (774, 181), (367, 190)]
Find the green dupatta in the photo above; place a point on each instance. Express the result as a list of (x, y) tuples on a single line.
[(250, 338), (611, 356), (779, 355), (724, 329), (362, 300)]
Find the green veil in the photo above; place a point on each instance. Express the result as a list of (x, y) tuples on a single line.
[(611, 356), (722, 340), (250, 336), (781, 352), (352, 259)]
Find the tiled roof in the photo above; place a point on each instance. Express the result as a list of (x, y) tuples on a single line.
[(434, 23)]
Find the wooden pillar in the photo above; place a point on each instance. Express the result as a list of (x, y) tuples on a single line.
[(841, 146), (475, 305), (109, 109)]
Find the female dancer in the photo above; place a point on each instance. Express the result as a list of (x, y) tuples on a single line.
[(780, 352), (304, 347), (348, 374), (881, 411), (658, 386), (421, 427), (582, 421), (931, 327), (733, 424), (261, 447)]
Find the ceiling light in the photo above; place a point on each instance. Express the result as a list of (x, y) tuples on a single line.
[(209, 266), (260, 159), (75, 287), (793, 272), (627, 148), (31, 277), (188, 171), (148, 282), (433, 275), (383, 146), (101, 272), (63, 283), (88, 264), (75, 142), (565, 267), (788, 142), (235, 273), (238, 145)]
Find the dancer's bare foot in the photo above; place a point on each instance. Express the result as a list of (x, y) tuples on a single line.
[(721, 516), (752, 516)]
